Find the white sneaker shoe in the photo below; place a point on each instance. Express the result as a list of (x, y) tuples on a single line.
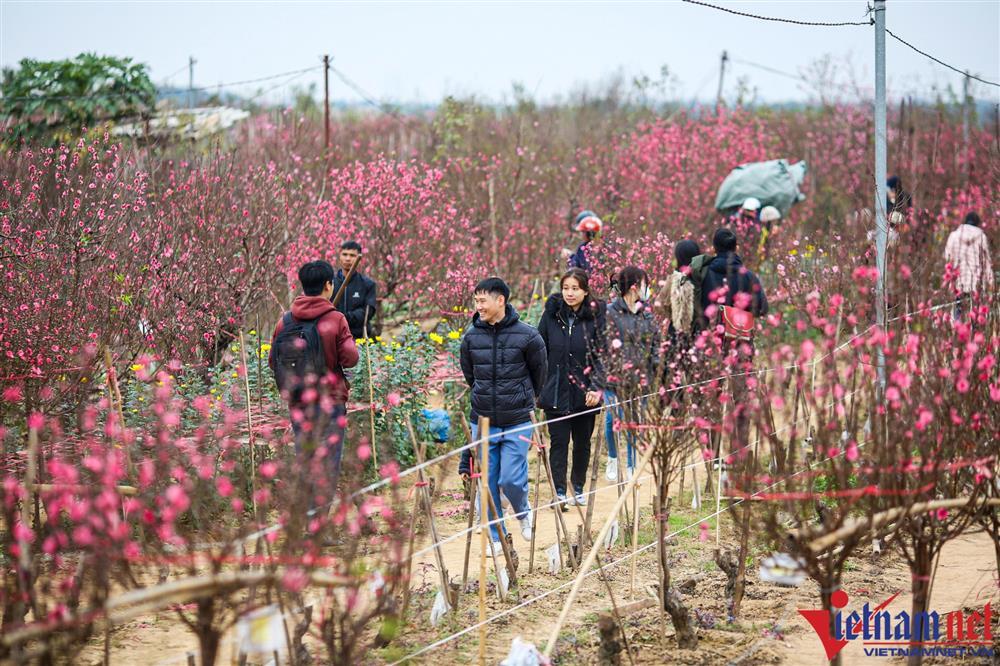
[(561, 502), (495, 548), (580, 499), (611, 471), (526, 526)]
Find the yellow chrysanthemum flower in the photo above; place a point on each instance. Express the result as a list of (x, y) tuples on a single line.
[(455, 335)]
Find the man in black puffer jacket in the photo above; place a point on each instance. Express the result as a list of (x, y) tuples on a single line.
[(503, 360)]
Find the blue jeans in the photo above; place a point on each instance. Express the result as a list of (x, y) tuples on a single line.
[(508, 456), (610, 414), (319, 451)]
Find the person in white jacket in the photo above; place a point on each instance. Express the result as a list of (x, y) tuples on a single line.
[(967, 253)]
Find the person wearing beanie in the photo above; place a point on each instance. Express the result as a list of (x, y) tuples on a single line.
[(589, 225)]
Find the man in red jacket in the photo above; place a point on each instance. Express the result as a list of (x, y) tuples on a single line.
[(311, 346)]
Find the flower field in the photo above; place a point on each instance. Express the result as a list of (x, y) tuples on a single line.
[(148, 469)]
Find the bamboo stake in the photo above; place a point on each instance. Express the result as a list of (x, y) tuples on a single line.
[(484, 467), (534, 516), (504, 546), (554, 636), (556, 509), (371, 394), (418, 450), (635, 536), (823, 542), (147, 600), (250, 435), (718, 488), (473, 495), (594, 466), (116, 404)]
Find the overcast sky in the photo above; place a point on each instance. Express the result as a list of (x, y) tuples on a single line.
[(421, 51)]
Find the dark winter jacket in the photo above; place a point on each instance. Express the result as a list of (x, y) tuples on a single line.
[(504, 364), (579, 258), (728, 271), (573, 343), (632, 364), (339, 349), (358, 301)]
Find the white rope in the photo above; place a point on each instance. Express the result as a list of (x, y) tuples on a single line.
[(531, 426), (613, 563)]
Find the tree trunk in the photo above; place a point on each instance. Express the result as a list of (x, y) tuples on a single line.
[(920, 587), (826, 597), (208, 635), (672, 603)]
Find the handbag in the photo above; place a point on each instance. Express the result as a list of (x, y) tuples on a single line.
[(738, 324)]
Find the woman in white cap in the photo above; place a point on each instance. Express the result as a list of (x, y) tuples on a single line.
[(769, 215)]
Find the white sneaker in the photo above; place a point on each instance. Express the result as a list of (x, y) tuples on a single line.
[(526, 526), (580, 499), (495, 548), (611, 471), (571, 500), (561, 502)]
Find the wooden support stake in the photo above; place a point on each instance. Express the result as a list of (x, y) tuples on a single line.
[(557, 510), (534, 516), (592, 555), (251, 440), (635, 536), (504, 546), (473, 494), (594, 465), (484, 467), (422, 492)]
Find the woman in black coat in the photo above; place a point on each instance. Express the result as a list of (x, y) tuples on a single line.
[(572, 327)]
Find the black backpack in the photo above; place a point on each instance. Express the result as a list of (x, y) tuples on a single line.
[(298, 356)]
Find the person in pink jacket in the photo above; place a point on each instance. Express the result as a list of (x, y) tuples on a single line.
[(967, 254)]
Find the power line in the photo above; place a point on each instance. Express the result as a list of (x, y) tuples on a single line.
[(385, 108), (938, 61), (825, 24), (164, 93)]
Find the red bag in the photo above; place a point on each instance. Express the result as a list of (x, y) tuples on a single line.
[(739, 324)]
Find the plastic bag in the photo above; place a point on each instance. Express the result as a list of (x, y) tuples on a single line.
[(440, 609), (437, 424), (612, 536), (776, 183), (523, 653), (553, 554)]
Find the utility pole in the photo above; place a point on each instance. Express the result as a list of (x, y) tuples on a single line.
[(326, 102), (881, 222), (191, 63), (966, 120), (722, 76)]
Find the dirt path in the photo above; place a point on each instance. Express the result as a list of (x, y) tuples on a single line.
[(966, 578), (770, 631)]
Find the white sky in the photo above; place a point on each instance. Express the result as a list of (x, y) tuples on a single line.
[(421, 51)]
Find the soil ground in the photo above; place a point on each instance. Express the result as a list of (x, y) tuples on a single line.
[(769, 631)]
